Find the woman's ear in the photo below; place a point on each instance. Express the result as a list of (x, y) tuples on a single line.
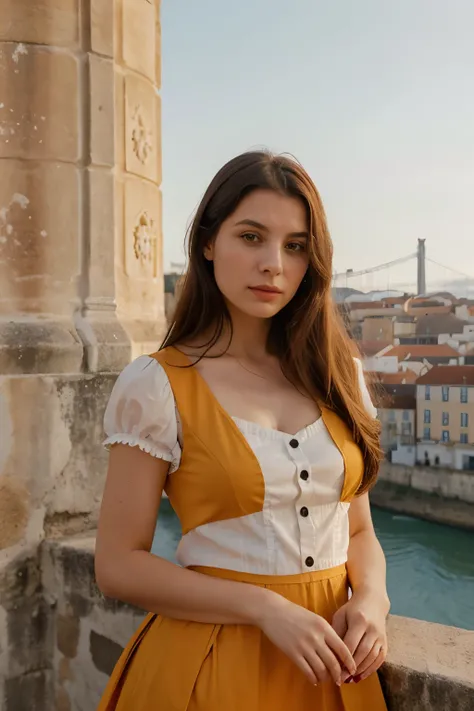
[(209, 251)]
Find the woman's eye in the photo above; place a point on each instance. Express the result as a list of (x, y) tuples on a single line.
[(249, 237), (296, 247)]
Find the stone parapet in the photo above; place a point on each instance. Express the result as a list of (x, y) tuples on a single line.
[(66, 656), (430, 667)]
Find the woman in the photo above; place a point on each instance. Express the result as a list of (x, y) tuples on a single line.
[(256, 421)]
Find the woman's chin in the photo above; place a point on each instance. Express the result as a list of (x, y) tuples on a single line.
[(263, 311)]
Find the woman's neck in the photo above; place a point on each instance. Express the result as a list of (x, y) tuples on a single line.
[(249, 343), (247, 339)]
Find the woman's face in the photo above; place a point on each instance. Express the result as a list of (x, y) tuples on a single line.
[(260, 253)]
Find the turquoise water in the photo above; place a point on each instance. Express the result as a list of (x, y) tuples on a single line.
[(430, 567)]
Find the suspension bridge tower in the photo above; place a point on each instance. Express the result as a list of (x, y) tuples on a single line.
[(421, 272)]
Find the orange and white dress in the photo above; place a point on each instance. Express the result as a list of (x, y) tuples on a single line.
[(256, 505)]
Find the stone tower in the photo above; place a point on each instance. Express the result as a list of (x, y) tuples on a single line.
[(421, 267), (81, 283)]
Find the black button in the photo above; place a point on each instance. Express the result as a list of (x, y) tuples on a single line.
[(304, 474), (294, 443), (304, 511), (309, 561)]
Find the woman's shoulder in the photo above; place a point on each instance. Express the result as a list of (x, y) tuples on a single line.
[(141, 410), (146, 369), (143, 381)]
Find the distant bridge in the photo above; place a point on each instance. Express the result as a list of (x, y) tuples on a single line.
[(419, 256)]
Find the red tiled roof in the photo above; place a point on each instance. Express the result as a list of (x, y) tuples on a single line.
[(448, 375), (400, 378), (422, 351)]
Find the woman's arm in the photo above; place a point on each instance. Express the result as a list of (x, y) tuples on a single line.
[(366, 561), (361, 622), (126, 570)]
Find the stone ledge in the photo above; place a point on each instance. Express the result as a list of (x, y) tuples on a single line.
[(430, 667), (39, 345)]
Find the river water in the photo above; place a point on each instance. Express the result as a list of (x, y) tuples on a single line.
[(430, 568)]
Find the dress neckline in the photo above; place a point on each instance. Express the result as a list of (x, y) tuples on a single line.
[(249, 425), (254, 428)]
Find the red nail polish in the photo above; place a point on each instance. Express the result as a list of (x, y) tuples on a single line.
[(357, 679), (348, 680)]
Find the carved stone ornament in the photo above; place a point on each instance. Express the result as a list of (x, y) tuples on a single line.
[(141, 137), (144, 240)]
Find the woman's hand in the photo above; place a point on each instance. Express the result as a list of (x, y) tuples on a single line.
[(307, 639), (361, 624)]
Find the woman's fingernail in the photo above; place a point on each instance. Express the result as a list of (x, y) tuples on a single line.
[(348, 680), (357, 678)]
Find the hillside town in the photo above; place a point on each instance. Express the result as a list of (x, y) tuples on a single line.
[(418, 356)]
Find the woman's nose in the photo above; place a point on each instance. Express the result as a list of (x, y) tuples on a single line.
[(272, 262)]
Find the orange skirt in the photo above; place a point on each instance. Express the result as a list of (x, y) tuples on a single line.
[(173, 665)]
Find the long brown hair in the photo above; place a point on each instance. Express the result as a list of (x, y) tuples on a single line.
[(307, 335)]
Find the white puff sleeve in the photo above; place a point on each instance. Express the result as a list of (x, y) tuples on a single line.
[(366, 399), (141, 411)]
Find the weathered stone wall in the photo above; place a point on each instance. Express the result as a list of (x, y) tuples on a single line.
[(89, 630), (432, 493), (452, 484), (81, 284)]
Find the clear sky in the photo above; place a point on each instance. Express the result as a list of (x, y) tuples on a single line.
[(375, 98)]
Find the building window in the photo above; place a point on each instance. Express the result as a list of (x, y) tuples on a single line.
[(445, 393), (427, 433), (391, 416), (445, 436), (463, 438), (446, 419), (463, 394), (464, 419), (427, 392), (406, 415), (427, 418)]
